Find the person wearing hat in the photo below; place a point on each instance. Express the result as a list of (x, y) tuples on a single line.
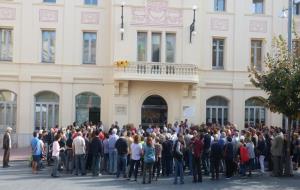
[(6, 147)]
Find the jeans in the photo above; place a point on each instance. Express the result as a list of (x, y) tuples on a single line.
[(262, 163), (113, 161), (157, 167), (80, 164), (229, 167), (243, 169), (167, 165), (134, 165), (69, 160), (95, 164), (197, 171), (147, 168), (205, 162), (122, 163), (105, 162), (178, 171), (215, 168), (55, 166)]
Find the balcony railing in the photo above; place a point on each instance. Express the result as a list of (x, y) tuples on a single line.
[(167, 72)]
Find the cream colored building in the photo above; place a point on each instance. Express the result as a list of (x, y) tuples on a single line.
[(57, 61)]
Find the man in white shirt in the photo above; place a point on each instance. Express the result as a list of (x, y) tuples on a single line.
[(79, 153)]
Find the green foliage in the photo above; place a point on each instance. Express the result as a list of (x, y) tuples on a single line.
[(280, 80)]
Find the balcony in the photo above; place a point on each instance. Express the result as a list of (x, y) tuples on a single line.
[(164, 72)]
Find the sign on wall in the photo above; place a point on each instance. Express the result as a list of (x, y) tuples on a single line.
[(121, 109)]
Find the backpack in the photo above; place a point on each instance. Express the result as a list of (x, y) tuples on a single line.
[(244, 154)]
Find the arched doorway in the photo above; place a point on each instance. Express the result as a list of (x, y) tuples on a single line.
[(88, 107), (255, 112), (8, 110), (154, 111), (46, 113), (217, 110)]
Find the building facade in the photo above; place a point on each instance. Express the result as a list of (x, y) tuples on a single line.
[(60, 61)]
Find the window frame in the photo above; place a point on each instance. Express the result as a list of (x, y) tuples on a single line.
[(50, 1), (90, 48), (175, 47), (160, 46), (254, 64), (42, 40), (90, 2), (218, 66), (255, 10), (11, 48), (216, 3), (146, 46)]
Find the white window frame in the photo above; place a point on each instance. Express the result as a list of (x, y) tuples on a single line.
[(48, 49), (10, 45), (255, 51), (89, 62), (218, 65)]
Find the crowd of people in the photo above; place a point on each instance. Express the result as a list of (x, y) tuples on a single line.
[(175, 150)]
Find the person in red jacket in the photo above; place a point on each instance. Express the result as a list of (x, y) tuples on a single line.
[(197, 149)]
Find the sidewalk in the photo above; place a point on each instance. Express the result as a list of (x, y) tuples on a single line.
[(17, 154)]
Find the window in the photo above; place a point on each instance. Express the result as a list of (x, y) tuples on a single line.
[(258, 6), (91, 2), (170, 47), (256, 54), (220, 5), (49, 1), (217, 110), (296, 47), (88, 107), (89, 47), (142, 46), (6, 44), (255, 112), (218, 54), (8, 110), (156, 47), (48, 46), (297, 9), (46, 113)]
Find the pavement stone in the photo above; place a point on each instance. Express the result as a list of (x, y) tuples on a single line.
[(19, 177)]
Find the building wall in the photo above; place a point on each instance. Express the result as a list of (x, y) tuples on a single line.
[(121, 100)]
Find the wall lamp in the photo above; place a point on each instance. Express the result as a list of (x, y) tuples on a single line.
[(192, 27), (122, 30)]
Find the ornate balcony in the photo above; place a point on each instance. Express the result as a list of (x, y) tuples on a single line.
[(166, 72)]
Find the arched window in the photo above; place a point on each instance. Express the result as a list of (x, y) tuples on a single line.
[(255, 111), (217, 110), (8, 110), (88, 107), (46, 110)]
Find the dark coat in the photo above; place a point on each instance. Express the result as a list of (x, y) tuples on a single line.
[(6, 141), (96, 147), (216, 151)]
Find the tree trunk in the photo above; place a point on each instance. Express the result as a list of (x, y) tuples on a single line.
[(288, 170)]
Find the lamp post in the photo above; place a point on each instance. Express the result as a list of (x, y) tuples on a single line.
[(192, 27), (122, 30)]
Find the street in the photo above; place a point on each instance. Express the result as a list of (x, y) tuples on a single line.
[(19, 177)]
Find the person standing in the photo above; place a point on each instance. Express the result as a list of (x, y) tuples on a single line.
[(206, 151), (197, 149), (79, 153), (136, 151), (261, 150), (55, 155), (276, 151), (36, 149), (215, 158), (178, 157), (6, 147), (157, 164), (96, 151), (228, 157), (167, 156), (149, 159), (122, 149), (112, 151)]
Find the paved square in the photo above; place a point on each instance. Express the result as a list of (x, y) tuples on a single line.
[(19, 177)]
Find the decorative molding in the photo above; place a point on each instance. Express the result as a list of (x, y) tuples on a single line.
[(90, 18), (121, 109), (219, 24), (7, 13), (156, 13), (47, 15), (258, 26)]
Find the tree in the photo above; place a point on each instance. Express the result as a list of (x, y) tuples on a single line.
[(281, 82)]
